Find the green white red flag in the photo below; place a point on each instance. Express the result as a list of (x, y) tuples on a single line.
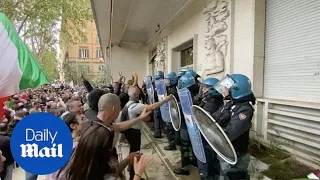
[(18, 67)]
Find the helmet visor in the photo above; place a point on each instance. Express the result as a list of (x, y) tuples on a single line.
[(185, 83), (224, 83), (180, 84), (204, 89), (167, 82)]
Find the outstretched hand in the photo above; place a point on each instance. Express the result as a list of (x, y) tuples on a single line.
[(145, 114), (121, 77)]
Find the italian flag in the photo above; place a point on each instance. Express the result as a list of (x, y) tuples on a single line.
[(18, 67)]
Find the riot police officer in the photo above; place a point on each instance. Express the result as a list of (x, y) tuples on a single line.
[(180, 73), (235, 117), (194, 74), (187, 155), (158, 124), (211, 101), (197, 77), (171, 82)]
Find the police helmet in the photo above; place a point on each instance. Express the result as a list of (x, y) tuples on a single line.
[(241, 87), (159, 75), (209, 83), (192, 73), (180, 73), (171, 79), (186, 81)]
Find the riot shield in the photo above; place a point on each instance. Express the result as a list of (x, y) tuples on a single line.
[(214, 135), (174, 113), (162, 93), (150, 90), (194, 133)]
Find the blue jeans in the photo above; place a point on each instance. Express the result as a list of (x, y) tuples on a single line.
[(30, 176)]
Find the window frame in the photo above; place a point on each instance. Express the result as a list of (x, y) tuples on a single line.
[(182, 58), (84, 49), (100, 53)]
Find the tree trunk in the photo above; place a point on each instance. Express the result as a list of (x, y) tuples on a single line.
[(22, 24)]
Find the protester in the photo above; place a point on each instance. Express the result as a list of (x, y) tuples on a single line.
[(93, 99), (68, 103), (75, 106), (36, 107), (132, 110), (98, 134), (2, 160), (7, 171), (74, 122)]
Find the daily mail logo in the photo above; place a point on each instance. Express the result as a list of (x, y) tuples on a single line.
[(41, 143), (32, 150)]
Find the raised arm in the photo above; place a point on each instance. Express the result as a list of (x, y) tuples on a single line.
[(122, 126), (156, 105), (135, 80)]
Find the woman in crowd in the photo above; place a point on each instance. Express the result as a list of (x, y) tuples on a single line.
[(74, 122), (95, 158)]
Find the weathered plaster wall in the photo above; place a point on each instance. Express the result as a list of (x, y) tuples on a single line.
[(129, 60), (242, 30)]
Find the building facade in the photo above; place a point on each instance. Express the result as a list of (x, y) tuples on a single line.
[(275, 43), (85, 57)]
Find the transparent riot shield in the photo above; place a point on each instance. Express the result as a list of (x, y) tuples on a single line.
[(174, 113), (162, 93), (194, 133), (150, 90), (214, 135)]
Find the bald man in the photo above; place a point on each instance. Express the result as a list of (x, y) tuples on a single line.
[(134, 108), (109, 109)]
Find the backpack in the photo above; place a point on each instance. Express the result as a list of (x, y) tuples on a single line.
[(124, 112)]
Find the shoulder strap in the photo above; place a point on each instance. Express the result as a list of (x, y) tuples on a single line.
[(124, 111)]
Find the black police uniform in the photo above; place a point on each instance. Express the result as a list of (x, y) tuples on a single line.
[(211, 169), (157, 120), (235, 118)]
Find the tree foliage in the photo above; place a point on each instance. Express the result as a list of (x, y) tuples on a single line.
[(49, 64), (74, 72), (41, 23)]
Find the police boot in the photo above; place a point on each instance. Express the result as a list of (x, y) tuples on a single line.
[(182, 171), (170, 147), (157, 135), (238, 175)]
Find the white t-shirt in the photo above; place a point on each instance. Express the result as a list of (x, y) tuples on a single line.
[(134, 111), (116, 134), (65, 113)]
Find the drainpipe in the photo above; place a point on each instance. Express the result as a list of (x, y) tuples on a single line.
[(109, 47)]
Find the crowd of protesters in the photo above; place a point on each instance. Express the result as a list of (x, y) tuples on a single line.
[(93, 115)]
